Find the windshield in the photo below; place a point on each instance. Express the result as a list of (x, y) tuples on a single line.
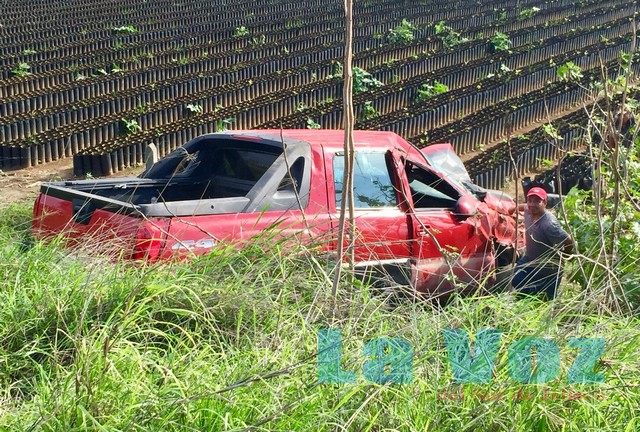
[(447, 162)]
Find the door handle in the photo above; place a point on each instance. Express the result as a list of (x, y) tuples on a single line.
[(422, 231)]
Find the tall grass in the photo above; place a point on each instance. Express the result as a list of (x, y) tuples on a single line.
[(228, 342)]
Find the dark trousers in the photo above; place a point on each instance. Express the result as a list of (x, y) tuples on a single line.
[(539, 280)]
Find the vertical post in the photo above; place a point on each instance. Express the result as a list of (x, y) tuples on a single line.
[(347, 190), (151, 155)]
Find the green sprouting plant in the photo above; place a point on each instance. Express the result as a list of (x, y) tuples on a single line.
[(502, 71), (131, 126), (625, 60), (194, 108), (528, 13), (449, 37), (427, 91), (502, 17), (125, 29), (500, 42), (312, 124), (569, 72), (21, 70), (363, 81), (546, 163), (441, 27), (338, 70), (551, 131), (225, 124), (141, 109), (301, 107), (402, 33), (29, 51), (257, 41), (368, 111), (240, 31), (291, 24), (115, 68)]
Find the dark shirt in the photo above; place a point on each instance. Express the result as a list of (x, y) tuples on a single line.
[(543, 237)]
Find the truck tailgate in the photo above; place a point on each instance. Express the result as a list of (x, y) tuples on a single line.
[(101, 225)]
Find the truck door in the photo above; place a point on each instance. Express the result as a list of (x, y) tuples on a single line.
[(382, 227), (447, 252)]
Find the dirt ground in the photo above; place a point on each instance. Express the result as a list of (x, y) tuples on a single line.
[(23, 185)]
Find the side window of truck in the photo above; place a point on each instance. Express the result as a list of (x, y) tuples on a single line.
[(429, 191), (372, 185), (293, 177)]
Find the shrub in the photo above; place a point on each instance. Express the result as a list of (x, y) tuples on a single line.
[(363, 81), (131, 126), (125, 29), (528, 13), (22, 69), (312, 124), (500, 42), (569, 72), (402, 33), (427, 91), (240, 31), (368, 111), (449, 37)]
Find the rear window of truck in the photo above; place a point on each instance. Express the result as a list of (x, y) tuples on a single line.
[(207, 161)]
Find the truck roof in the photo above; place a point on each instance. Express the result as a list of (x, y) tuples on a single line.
[(331, 138)]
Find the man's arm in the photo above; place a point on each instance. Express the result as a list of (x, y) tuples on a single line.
[(558, 236), (568, 245)]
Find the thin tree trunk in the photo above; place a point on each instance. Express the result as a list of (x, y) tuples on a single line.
[(346, 225)]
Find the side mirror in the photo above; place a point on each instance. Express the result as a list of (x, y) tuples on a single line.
[(466, 206)]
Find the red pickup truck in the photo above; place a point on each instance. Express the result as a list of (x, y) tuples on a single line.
[(414, 210)]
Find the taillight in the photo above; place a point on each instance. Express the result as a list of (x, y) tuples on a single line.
[(36, 220), (149, 240)]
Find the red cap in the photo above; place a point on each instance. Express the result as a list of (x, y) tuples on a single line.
[(539, 192)]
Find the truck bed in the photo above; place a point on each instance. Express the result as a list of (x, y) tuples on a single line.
[(155, 197)]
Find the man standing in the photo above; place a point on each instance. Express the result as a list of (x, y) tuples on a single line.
[(538, 272)]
